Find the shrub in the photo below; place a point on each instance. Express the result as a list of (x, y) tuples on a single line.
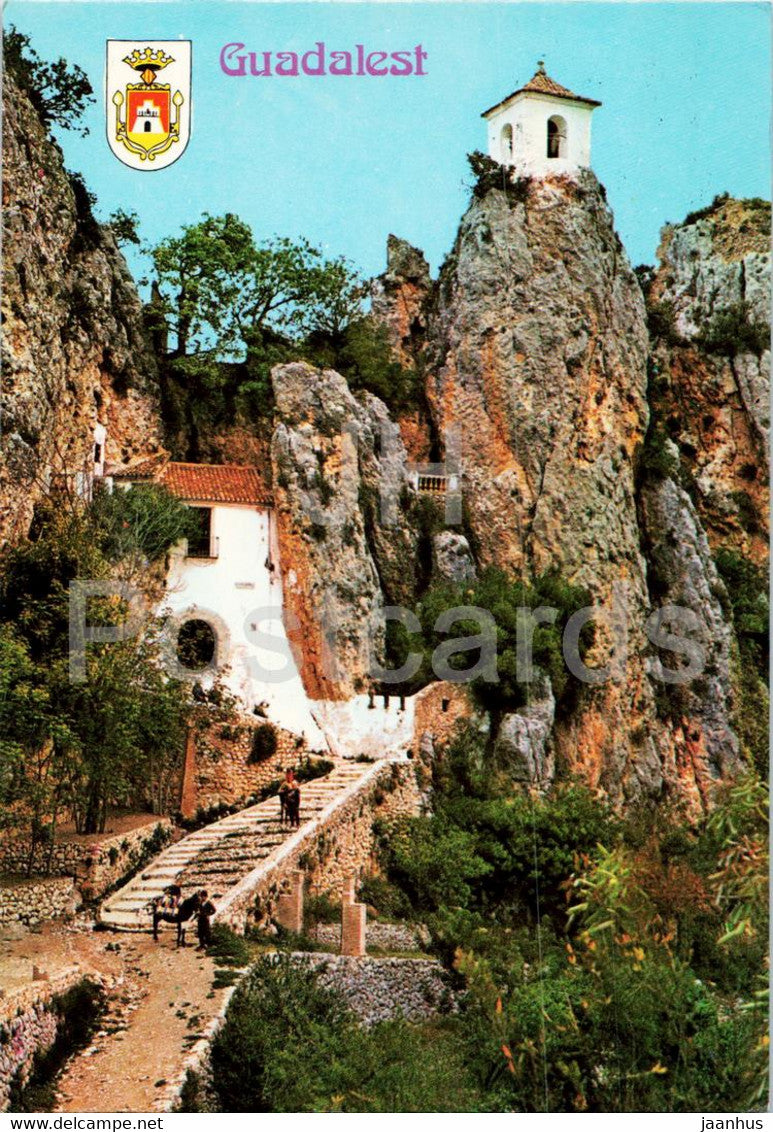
[(60, 91), (289, 1045), (264, 743), (657, 461), (145, 522), (661, 322), (709, 210), (124, 225), (228, 947), (489, 174), (733, 332), (321, 909)]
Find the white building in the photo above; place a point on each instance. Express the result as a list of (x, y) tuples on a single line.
[(224, 595), (541, 128)]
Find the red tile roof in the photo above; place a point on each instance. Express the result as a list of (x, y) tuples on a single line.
[(540, 83), (216, 483)]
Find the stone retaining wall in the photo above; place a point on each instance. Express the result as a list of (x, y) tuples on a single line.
[(384, 936), (374, 989), (28, 1026), (221, 770), (331, 847), (378, 989), (95, 866), (30, 901)]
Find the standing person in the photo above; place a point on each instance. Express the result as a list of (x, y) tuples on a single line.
[(203, 921), (187, 910), (290, 799), (165, 907), (294, 805)]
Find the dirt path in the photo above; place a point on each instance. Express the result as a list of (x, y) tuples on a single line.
[(162, 1006)]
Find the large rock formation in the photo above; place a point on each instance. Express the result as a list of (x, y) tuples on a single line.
[(700, 738), (709, 302), (538, 348), (347, 549), (74, 347)]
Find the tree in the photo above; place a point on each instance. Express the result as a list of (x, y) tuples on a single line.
[(217, 286), (60, 91), (117, 737), (123, 225)]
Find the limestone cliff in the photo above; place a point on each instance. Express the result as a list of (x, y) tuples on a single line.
[(709, 310), (74, 347), (339, 470), (536, 348)]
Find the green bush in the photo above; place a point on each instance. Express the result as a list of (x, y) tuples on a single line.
[(733, 332), (146, 522), (508, 601), (264, 743), (289, 1045), (60, 91), (661, 322), (489, 174), (228, 947)]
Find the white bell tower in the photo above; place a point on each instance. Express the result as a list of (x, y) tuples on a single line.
[(541, 128)]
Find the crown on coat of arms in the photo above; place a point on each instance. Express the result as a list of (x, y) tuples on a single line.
[(148, 59)]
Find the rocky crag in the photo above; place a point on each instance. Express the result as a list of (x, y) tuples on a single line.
[(710, 369), (534, 343), (75, 351)]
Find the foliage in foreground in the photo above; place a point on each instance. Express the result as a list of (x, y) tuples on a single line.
[(288, 1045), (625, 972), (116, 738)]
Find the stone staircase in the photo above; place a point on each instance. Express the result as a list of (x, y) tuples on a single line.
[(219, 856)]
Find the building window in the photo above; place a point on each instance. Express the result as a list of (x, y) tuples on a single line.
[(200, 543), (556, 136), (196, 645), (97, 453), (506, 144)]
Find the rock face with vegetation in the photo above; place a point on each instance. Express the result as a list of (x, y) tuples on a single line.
[(536, 347), (74, 345), (348, 549), (709, 305)]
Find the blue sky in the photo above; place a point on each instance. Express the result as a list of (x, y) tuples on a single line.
[(345, 161)]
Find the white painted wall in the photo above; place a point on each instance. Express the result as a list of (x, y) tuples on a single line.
[(241, 596), (354, 728), (527, 116)]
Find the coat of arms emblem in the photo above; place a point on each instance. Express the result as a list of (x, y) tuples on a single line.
[(148, 121)]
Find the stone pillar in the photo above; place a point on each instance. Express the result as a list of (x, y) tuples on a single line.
[(352, 921), (188, 786), (289, 908)]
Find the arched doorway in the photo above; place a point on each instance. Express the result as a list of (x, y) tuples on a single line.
[(556, 137)]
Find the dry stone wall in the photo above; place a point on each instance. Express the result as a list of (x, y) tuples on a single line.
[(223, 770), (379, 989), (95, 866), (28, 1026), (31, 901)]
